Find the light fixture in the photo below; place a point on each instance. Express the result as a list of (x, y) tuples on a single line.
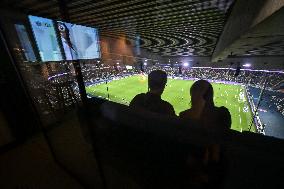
[(247, 65), (185, 64)]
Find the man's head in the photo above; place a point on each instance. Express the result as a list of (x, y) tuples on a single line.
[(202, 89), (157, 80)]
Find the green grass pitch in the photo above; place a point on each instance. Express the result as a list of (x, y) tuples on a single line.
[(177, 93)]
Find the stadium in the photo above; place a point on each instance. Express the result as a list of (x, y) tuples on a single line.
[(142, 94)]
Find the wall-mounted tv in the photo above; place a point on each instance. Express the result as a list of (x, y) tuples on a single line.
[(45, 36), (79, 42)]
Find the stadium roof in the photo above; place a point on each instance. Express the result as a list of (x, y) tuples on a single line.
[(166, 27)]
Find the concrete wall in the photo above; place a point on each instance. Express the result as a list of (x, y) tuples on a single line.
[(245, 16)]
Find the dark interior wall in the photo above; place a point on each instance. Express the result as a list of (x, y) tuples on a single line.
[(14, 99), (5, 132)]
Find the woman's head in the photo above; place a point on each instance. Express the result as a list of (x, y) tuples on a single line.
[(202, 89)]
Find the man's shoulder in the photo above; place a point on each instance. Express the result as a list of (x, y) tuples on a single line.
[(223, 110), (137, 99), (167, 103), (168, 106), (140, 95), (185, 113)]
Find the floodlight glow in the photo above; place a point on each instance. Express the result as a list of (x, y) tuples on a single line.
[(145, 63), (247, 65), (185, 64), (128, 67), (117, 63)]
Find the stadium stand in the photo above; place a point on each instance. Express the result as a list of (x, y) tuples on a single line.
[(271, 111)]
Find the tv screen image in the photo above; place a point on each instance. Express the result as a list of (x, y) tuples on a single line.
[(45, 36), (79, 42)]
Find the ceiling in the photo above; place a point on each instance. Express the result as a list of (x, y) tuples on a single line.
[(166, 27), (265, 39), (243, 38)]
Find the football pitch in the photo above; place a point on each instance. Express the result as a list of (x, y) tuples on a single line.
[(177, 93)]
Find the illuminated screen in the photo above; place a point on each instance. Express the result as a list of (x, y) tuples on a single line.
[(79, 42), (25, 42), (44, 33)]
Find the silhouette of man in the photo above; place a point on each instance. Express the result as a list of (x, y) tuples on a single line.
[(151, 100)]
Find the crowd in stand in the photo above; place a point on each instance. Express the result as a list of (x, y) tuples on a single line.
[(249, 77), (92, 72), (96, 73), (277, 102)]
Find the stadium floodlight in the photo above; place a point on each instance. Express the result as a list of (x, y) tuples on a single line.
[(247, 65), (185, 64), (129, 67), (145, 63)]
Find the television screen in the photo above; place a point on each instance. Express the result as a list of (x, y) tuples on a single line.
[(79, 42), (25, 42), (44, 33)]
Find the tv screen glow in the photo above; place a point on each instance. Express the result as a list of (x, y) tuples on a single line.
[(79, 42), (45, 36)]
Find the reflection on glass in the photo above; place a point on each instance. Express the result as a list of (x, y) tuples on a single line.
[(25, 42), (45, 36), (79, 42)]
